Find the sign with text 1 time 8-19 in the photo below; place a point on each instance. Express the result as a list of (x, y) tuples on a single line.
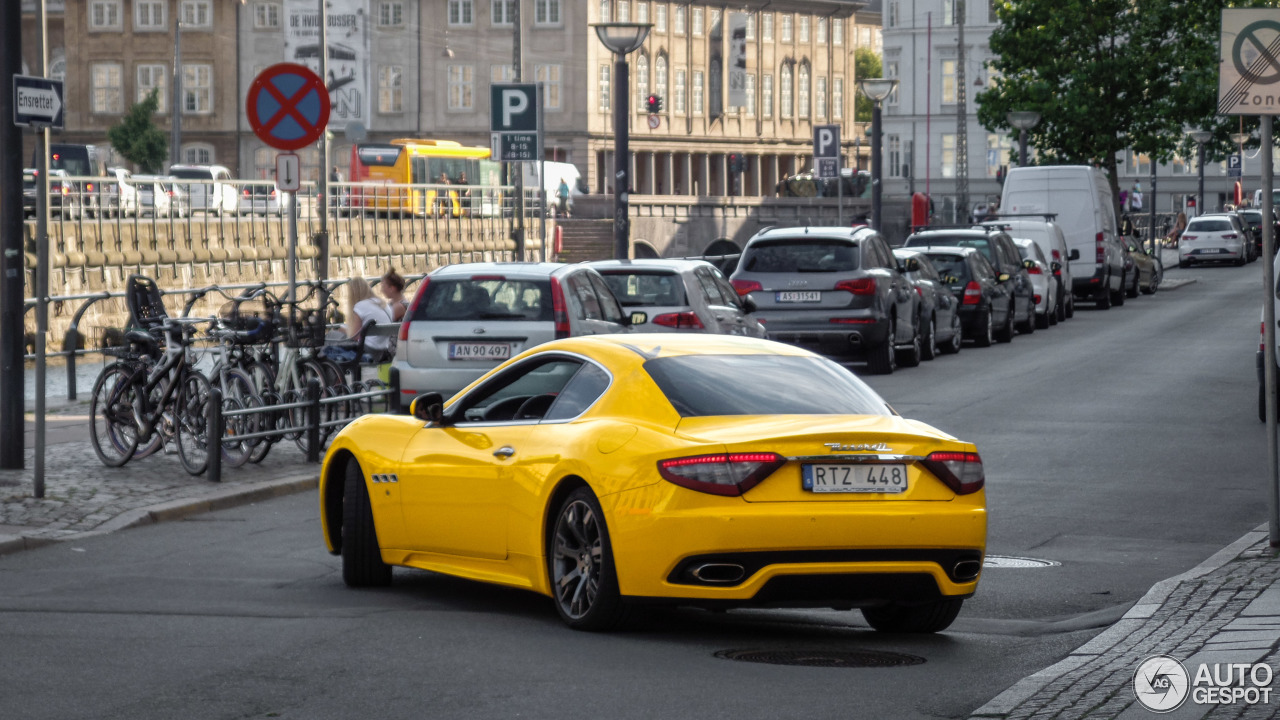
[(1249, 63), (288, 106)]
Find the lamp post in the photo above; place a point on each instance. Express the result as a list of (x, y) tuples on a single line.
[(621, 39), (1200, 137), (876, 89), (1022, 121)]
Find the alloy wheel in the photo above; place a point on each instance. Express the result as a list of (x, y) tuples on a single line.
[(576, 559)]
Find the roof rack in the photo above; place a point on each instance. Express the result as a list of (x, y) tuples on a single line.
[(968, 226), (1001, 216)]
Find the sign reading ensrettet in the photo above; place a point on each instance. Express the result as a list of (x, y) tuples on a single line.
[(1249, 63)]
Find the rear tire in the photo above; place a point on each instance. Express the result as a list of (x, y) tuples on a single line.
[(1044, 321), (1071, 306), (929, 343), (880, 360), (1104, 299), (912, 355), (1133, 289), (1005, 334), (584, 580), (986, 333), (931, 617), (1117, 296), (362, 564)]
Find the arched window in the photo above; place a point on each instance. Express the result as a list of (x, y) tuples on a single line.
[(58, 68), (786, 99), (642, 83), (660, 79), (802, 92), (197, 154)]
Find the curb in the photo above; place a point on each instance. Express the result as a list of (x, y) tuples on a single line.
[(173, 510), (1004, 703)]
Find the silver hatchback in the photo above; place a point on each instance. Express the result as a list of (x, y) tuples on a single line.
[(680, 296), (467, 318)]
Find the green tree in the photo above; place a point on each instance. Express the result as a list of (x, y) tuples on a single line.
[(866, 64), (137, 138)]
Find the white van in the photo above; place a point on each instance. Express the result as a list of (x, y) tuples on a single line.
[(555, 172), (216, 193), (1080, 200), (1053, 243)]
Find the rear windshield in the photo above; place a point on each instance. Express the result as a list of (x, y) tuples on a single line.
[(783, 256), (952, 265), (645, 288), (1210, 225), (485, 299), (710, 385), (982, 244), (192, 174), (1253, 218), (75, 160)]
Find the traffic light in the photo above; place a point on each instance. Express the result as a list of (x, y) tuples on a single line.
[(654, 104), (1000, 172), (737, 162)]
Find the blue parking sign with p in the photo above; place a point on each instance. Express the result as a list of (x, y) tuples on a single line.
[(826, 150), (1235, 165)]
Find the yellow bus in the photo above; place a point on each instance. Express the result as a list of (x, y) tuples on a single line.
[(425, 177)]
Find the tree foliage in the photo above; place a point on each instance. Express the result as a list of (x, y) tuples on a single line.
[(137, 138), (866, 64)]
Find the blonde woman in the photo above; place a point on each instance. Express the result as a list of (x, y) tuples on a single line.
[(363, 306)]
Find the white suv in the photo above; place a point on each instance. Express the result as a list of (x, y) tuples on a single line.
[(467, 318)]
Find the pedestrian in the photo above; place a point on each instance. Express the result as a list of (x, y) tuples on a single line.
[(562, 192), (362, 307), (1180, 224), (443, 196), (1135, 198), (1126, 226), (392, 289), (335, 194)]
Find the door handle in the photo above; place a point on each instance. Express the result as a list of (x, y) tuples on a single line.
[(504, 452)]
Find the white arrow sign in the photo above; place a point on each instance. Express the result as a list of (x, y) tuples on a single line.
[(37, 101), (288, 172)]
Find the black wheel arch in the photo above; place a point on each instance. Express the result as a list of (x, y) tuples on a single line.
[(335, 481)]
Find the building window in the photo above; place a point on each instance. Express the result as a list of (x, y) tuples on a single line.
[(265, 160), (784, 92), (698, 27), (998, 151), (603, 83), (503, 13), (604, 10), (642, 83), (822, 31), (104, 15), (802, 92), (549, 76), (948, 12), (197, 14), (148, 16), (461, 12), (678, 21), (891, 71), (266, 16), (786, 28), (837, 98), (107, 88), (502, 73), (546, 12), (837, 31), (891, 14), (751, 26), (391, 14), (766, 27), (154, 77), (624, 11), (678, 100), (895, 155), (766, 97), (461, 88), (642, 12), (750, 90), (804, 29), (948, 82), (660, 18), (698, 96), (58, 68), (391, 89), (991, 12), (198, 154), (820, 97), (197, 89), (660, 76), (948, 156)]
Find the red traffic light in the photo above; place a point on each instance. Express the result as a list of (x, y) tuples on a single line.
[(654, 104)]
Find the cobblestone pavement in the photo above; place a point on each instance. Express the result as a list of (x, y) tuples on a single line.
[(1227, 610)]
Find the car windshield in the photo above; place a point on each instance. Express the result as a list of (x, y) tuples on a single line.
[(646, 287), (191, 174), (790, 256), (1209, 226), (982, 244), (486, 299), (951, 265), (711, 385)]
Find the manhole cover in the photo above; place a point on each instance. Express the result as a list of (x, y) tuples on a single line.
[(1005, 561), (822, 658)]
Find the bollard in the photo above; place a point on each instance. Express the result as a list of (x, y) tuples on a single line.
[(215, 426), (393, 397), (313, 420)]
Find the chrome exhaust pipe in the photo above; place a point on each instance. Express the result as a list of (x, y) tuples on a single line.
[(720, 573), (966, 570), (855, 339)]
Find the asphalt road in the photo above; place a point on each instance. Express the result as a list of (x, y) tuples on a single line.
[(1123, 445)]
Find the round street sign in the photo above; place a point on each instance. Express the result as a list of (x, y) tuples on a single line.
[(288, 106), (654, 122)]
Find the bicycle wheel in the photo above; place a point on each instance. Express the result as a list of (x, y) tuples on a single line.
[(382, 404), (237, 391), (112, 407), (264, 377), (266, 421), (190, 417), (162, 432)]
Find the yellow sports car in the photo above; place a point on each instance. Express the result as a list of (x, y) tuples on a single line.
[(612, 471)]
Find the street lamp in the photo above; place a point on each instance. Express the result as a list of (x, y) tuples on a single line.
[(876, 89), (1200, 137), (621, 39), (1022, 121)]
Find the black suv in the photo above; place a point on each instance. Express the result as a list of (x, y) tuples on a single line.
[(1000, 251)]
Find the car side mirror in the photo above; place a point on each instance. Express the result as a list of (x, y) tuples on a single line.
[(1074, 254), (635, 318), (951, 280), (1055, 266), (1003, 277), (428, 407), (1028, 264), (912, 265), (748, 304)]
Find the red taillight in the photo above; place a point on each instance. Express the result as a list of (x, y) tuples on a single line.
[(1230, 236), (919, 292), (1101, 250), (273, 193), (861, 286), (65, 190), (1057, 256), (89, 187), (558, 309), (247, 193), (680, 321), (482, 278), (418, 298), (1037, 297), (722, 474), (1188, 237), (1035, 270), (972, 293), (960, 471), (852, 321), (746, 286)]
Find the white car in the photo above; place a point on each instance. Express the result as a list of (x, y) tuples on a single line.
[(119, 194), (1053, 243), (1211, 238), (1040, 269), (679, 296)]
